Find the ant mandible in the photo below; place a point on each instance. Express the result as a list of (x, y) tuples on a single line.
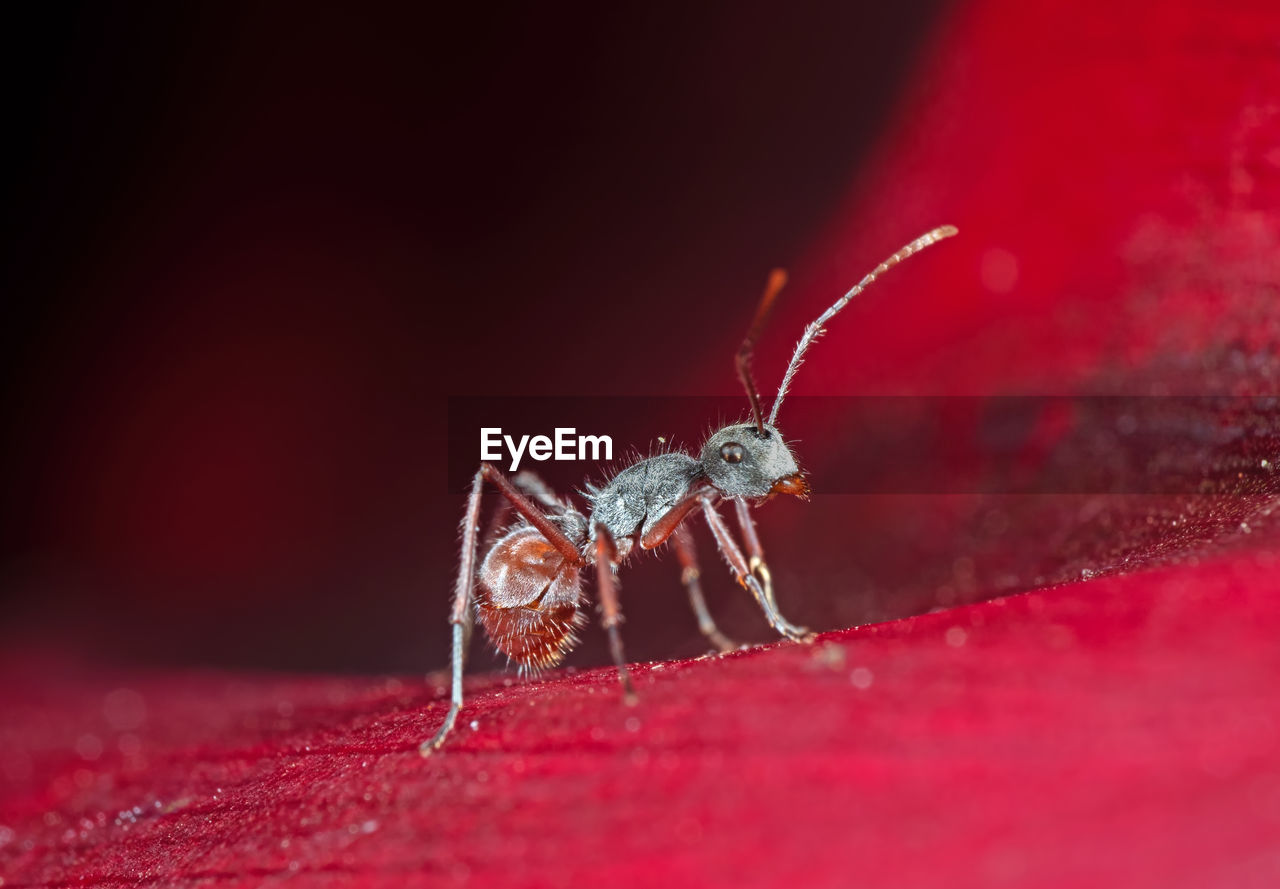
[(528, 592)]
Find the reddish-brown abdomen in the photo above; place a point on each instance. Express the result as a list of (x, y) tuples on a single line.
[(529, 598)]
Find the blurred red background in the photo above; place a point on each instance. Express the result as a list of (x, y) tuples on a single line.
[(254, 252), (251, 251)]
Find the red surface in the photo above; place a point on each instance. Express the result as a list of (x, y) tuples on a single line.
[(1119, 732), (1114, 174)]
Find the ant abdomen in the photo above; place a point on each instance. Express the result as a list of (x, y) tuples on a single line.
[(529, 599)]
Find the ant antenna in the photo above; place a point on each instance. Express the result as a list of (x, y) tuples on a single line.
[(777, 280), (815, 330)]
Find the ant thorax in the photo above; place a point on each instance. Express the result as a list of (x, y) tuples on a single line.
[(634, 500), (738, 461)]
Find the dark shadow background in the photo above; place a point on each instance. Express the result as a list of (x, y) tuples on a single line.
[(249, 253)]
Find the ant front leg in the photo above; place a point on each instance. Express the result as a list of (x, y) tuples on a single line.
[(610, 610), (690, 576), (742, 573), (755, 552)]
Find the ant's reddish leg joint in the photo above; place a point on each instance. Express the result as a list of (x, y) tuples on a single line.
[(756, 564)]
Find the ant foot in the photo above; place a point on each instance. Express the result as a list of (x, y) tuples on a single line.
[(723, 643), (797, 634)]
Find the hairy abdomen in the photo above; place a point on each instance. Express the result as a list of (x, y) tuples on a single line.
[(529, 599)]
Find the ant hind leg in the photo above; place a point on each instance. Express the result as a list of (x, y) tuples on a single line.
[(462, 616), (532, 485)]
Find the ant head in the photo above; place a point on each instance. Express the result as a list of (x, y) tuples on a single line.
[(752, 460), (742, 461)]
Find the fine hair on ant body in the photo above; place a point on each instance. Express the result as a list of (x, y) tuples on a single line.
[(527, 591)]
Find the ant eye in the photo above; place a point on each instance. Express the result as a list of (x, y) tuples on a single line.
[(731, 452)]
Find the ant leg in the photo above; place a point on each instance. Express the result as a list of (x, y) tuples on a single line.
[(537, 489), (493, 530), (611, 612), (463, 614), (755, 552), (532, 514), (689, 575), (462, 617), (742, 573)]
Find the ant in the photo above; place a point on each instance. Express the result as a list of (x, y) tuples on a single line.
[(528, 591)]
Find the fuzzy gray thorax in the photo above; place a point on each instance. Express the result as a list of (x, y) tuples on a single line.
[(637, 497)]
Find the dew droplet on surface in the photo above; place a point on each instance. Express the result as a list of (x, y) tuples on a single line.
[(861, 677), (956, 637), (475, 725), (632, 724), (830, 656)]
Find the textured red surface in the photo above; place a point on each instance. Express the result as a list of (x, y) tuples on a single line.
[(1114, 174), (1119, 732)]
